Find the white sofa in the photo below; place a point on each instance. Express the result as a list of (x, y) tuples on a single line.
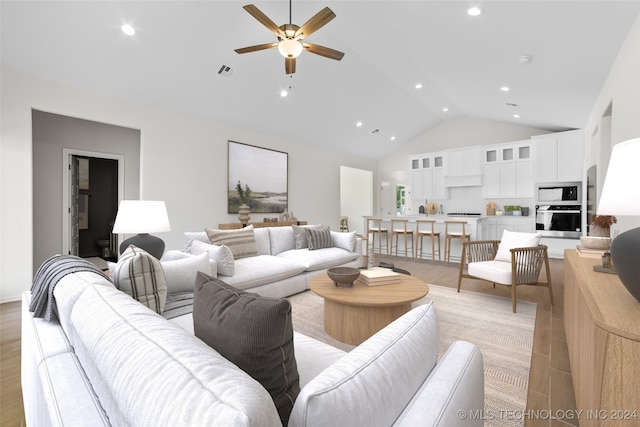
[(112, 361), (279, 269)]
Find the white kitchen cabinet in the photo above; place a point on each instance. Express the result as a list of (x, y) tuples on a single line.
[(508, 170), (427, 177), (559, 157), (464, 162)]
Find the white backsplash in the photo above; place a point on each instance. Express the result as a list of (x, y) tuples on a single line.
[(469, 199)]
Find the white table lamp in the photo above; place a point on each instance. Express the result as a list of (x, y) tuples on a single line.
[(142, 217), (620, 197)]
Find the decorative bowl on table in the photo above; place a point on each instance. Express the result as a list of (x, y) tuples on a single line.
[(595, 242), (343, 276)]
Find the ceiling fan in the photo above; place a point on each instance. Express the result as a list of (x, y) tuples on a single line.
[(290, 37)]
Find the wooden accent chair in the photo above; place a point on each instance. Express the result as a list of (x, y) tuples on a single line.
[(426, 228), (399, 227), (505, 265)]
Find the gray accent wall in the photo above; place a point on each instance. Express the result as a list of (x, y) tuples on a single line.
[(52, 133)]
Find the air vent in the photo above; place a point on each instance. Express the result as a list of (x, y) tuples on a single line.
[(511, 104), (225, 71), (375, 131)]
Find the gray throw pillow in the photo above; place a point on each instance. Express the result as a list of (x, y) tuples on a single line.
[(301, 235), (242, 242), (253, 332), (319, 238)]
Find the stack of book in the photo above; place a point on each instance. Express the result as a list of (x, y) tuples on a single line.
[(377, 276), (590, 253)]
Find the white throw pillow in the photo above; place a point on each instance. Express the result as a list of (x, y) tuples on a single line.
[(191, 236), (181, 273), (221, 254), (346, 241), (514, 239)]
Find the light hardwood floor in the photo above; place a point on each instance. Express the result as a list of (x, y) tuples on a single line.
[(550, 384)]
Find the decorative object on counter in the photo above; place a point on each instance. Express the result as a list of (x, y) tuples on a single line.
[(432, 208), (244, 194), (601, 225), (499, 212), (512, 210), (343, 276), (285, 216), (142, 217), (596, 242), (491, 209), (292, 217), (616, 199), (525, 211)]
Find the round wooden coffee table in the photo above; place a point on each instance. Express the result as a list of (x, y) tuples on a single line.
[(351, 315)]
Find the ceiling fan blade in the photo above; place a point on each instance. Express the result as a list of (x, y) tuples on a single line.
[(256, 48), (290, 65), (316, 22), (264, 19), (323, 51)]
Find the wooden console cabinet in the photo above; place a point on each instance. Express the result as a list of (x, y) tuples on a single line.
[(237, 225), (602, 325)]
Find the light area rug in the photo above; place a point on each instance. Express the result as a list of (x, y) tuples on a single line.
[(504, 338)]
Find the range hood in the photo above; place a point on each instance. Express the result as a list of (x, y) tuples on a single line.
[(463, 181)]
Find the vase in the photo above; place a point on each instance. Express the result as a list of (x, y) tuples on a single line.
[(599, 231), (243, 213)]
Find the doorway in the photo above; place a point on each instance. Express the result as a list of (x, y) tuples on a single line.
[(93, 190)]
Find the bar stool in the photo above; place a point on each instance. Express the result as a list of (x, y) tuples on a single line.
[(449, 235), (422, 231), (374, 226), (344, 223), (398, 228)]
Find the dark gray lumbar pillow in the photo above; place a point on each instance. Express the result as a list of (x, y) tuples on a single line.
[(253, 332)]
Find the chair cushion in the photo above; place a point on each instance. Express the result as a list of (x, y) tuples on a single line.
[(493, 271), (262, 269), (514, 239)]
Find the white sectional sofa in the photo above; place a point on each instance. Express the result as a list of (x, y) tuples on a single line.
[(279, 269), (111, 361)]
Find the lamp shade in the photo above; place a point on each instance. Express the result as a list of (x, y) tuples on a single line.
[(290, 48), (619, 193), (141, 216), (620, 196)]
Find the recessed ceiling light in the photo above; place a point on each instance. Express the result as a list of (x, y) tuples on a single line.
[(359, 124), (418, 85), (445, 109), (474, 11), (284, 94), (525, 59), (393, 138), (128, 29), (505, 89), (517, 116)]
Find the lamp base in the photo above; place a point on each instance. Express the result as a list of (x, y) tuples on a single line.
[(151, 244), (625, 251)]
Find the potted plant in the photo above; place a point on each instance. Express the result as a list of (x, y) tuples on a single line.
[(601, 225), (244, 195)]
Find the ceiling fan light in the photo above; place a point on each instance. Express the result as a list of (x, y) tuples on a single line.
[(290, 48)]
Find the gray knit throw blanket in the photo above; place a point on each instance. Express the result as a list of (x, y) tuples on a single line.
[(49, 273)]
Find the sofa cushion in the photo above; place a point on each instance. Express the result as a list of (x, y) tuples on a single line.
[(301, 239), (148, 371), (262, 269), (346, 241), (140, 275), (318, 238), (191, 236), (253, 332), (282, 239), (319, 259), (371, 385), (493, 271), (242, 242), (263, 241), (180, 274), (221, 254), (513, 239)]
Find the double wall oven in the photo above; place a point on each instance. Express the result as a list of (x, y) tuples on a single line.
[(559, 209)]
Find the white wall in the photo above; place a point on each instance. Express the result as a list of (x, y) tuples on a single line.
[(621, 91), (183, 161)]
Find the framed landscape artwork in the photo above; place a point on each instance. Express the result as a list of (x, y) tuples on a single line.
[(259, 173)]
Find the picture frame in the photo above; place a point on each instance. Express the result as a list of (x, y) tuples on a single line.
[(264, 172)]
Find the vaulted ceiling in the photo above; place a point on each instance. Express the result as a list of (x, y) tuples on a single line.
[(461, 62)]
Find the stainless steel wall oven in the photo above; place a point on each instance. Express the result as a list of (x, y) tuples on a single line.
[(559, 209)]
